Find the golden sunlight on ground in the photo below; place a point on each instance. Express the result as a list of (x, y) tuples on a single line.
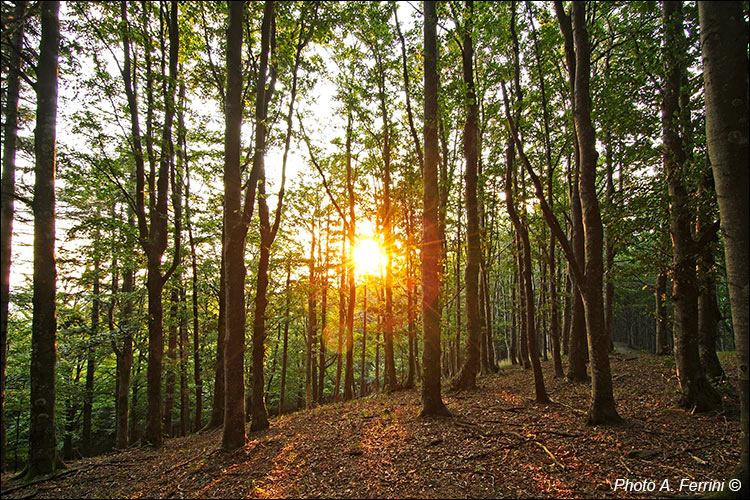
[(368, 257)]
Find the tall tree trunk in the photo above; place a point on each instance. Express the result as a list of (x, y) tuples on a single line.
[(153, 230), (42, 437), (284, 351), (183, 348), (170, 375), (609, 248), (133, 435), (410, 316), (342, 321), (554, 319), (349, 370), (125, 357), (311, 326), (235, 231), (697, 392), (389, 380), (88, 395), (724, 42), (513, 327), (466, 378), (527, 278), (362, 372), (602, 409), (217, 410), (432, 403), (661, 314), (577, 333), (566, 315), (197, 374), (10, 135), (577, 337), (323, 317)]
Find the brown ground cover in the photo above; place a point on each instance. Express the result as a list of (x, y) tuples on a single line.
[(499, 444)]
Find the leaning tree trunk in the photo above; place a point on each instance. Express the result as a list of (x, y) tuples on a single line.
[(724, 40), (42, 437)]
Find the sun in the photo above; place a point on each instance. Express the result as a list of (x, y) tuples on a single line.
[(368, 256)]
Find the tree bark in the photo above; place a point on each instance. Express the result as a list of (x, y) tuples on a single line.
[(88, 395), (697, 392), (724, 42), (42, 437), (602, 409), (466, 378), (661, 315), (284, 351), (217, 410), (432, 403), (10, 136), (235, 231), (349, 370)]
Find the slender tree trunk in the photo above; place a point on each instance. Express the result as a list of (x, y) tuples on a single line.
[(10, 135), (520, 227), (349, 371), (566, 315), (609, 248), (432, 403), (323, 316), (577, 336), (42, 437), (697, 392), (183, 348), (311, 327), (125, 359), (171, 368), (284, 351), (410, 319), (235, 231), (88, 395), (514, 307), (466, 378), (724, 41), (602, 409), (217, 411), (342, 320), (362, 373), (661, 315)]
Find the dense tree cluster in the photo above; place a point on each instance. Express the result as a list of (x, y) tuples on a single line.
[(242, 209)]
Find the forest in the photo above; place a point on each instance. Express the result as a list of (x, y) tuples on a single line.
[(374, 249)]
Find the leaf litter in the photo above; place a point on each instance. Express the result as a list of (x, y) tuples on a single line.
[(499, 443)]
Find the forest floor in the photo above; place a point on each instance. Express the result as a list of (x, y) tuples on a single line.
[(498, 444)]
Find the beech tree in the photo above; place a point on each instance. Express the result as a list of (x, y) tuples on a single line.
[(432, 403), (10, 135), (42, 436), (724, 41)]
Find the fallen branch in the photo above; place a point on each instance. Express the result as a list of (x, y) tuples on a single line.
[(550, 454)]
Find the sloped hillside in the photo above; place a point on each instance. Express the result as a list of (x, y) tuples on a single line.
[(499, 444)]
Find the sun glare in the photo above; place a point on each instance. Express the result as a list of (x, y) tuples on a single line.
[(368, 256)]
